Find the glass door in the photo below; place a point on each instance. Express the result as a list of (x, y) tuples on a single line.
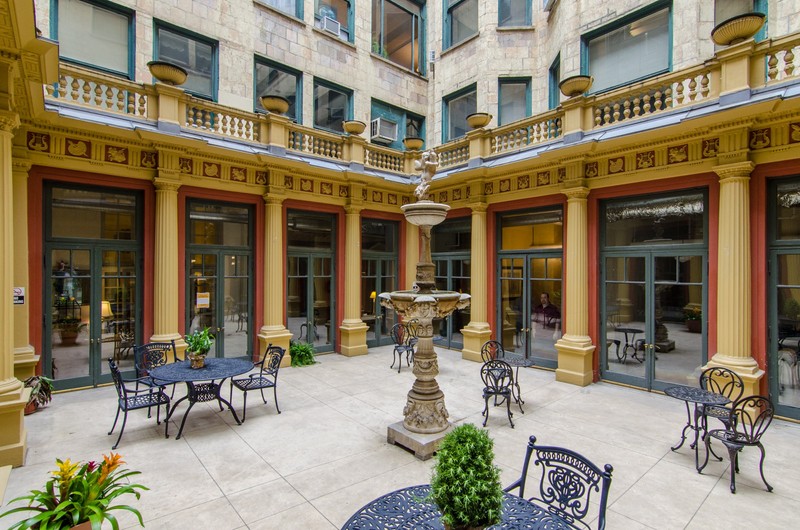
[(452, 274), (219, 260), (309, 291), (377, 276)]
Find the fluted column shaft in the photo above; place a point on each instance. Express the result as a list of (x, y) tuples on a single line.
[(477, 330), (352, 266), (273, 263), (165, 273)]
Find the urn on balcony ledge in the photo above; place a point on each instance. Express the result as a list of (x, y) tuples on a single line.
[(412, 143), (575, 85), (737, 29), (274, 104), (167, 73), (354, 126), (479, 119)]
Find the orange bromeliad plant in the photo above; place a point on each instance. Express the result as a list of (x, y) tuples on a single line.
[(78, 493)]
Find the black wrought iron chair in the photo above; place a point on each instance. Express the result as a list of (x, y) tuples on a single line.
[(747, 422), (567, 484), (266, 377), (149, 356), (724, 382), (405, 340), (136, 398), (498, 381), (492, 350)]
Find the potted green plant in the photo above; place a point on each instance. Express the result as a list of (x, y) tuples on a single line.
[(41, 392), (198, 344), (693, 319), (302, 353), (466, 483), (79, 496)]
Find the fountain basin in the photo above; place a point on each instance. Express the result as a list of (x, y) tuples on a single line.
[(425, 213), (435, 304)]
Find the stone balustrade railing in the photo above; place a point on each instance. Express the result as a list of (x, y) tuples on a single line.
[(766, 63)]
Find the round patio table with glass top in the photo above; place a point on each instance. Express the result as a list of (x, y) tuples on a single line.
[(202, 384)]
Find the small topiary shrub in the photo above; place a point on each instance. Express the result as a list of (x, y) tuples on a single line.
[(302, 353), (466, 483)]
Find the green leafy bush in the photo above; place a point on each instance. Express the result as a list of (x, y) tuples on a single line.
[(302, 353), (466, 483), (199, 341)]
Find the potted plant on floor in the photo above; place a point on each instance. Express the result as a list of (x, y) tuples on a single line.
[(466, 483), (198, 344), (80, 496), (302, 353), (693, 319), (41, 392)]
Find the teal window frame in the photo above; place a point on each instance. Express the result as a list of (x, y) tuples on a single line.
[(339, 88), (447, 37), (298, 99), (160, 24), (623, 21), (298, 7), (130, 14), (380, 109), (553, 80), (528, 14), (446, 109), (378, 44), (512, 81), (350, 29)]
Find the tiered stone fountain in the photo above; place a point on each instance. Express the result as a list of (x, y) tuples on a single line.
[(425, 422)]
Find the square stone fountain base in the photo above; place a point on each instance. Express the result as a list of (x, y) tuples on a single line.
[(422, 445)]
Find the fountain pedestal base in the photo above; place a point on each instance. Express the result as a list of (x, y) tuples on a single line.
[(422, 445)]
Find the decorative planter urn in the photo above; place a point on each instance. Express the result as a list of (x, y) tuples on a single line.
[(479, 119), (575, 85), (354, 126), (275, 104), (412, 143), (167, 73), (737, 29), (198, 360)]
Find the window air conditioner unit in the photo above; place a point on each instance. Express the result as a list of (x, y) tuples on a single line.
[(331, 25), (383, 131)]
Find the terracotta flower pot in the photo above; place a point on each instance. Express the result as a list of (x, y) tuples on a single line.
[(86, 525), (412, 143), (479, 119), (31, 407), (737, 29), (275, 104), (354, 126), (168, 73), (198, 360), (575, 85)]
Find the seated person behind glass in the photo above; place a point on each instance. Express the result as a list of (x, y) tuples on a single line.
[(545, 312)]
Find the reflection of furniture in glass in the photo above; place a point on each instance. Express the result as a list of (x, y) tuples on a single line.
[(124, 337), (567, 485), (630, 343), (135, 398), (241, 317), (788, 369), (748, 421), (412, 507), (498, 381), (266, 377)]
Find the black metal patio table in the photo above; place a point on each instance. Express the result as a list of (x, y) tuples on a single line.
[(698, 396), (411, 509), (517, 362), (202, 384)]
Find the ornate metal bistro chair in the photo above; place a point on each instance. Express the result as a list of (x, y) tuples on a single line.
[(568, 482), (136, 398), (150, 355), (748, 420), (405, 340), (492, 350), (726, 383), (266, 377), (498, 381)]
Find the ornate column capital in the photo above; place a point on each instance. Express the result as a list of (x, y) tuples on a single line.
[(736, 170), (21, 165), (166, 184), (479, 207), (579, 193), (353, 209), (8, 121), (270, 199)]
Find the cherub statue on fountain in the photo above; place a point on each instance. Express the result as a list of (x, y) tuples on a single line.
[(427, 166)]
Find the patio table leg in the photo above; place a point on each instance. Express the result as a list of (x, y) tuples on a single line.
[(687, 426)]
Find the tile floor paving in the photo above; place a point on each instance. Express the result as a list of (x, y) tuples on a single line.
[(326, 455)]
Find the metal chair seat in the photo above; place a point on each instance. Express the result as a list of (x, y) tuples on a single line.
[(136, 398), (254, 382), (266, 377)]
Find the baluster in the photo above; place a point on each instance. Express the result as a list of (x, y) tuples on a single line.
[(772, 67), (647, 106), (704, 80), (626, 112), (142, 105), (637, 109), (98, 95), (87, 92), (131, 103), (692, 89), (119, 101), (75, 87), (658, 102), (616, 112), (606, 115), (596, 117), (679, 89), (788, 63), (668, 99)]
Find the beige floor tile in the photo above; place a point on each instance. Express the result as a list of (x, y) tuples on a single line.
[(265, 500), (217, 514), (303, 516)]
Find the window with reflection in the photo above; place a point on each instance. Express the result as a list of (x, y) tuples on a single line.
[(378, 235), (309, 230), (332, 106), (397, 27), (278, 80), (92, 214), (457, 107), (218, 224), (334, 16), (461, 20), (788, 211), (196, 54), (541, 229), (677, 219), (514, 13), (452, 235)]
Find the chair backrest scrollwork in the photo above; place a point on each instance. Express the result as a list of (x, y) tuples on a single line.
[(491, 350), (497, 376), (750, 417), (272, 360), (722, 381)]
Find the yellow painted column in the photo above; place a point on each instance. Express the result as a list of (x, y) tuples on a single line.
[(575, 348), (354, 331), (166, 266), (274, 331), (12, 394), (25, 358), (734, 304), (477, 331)]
